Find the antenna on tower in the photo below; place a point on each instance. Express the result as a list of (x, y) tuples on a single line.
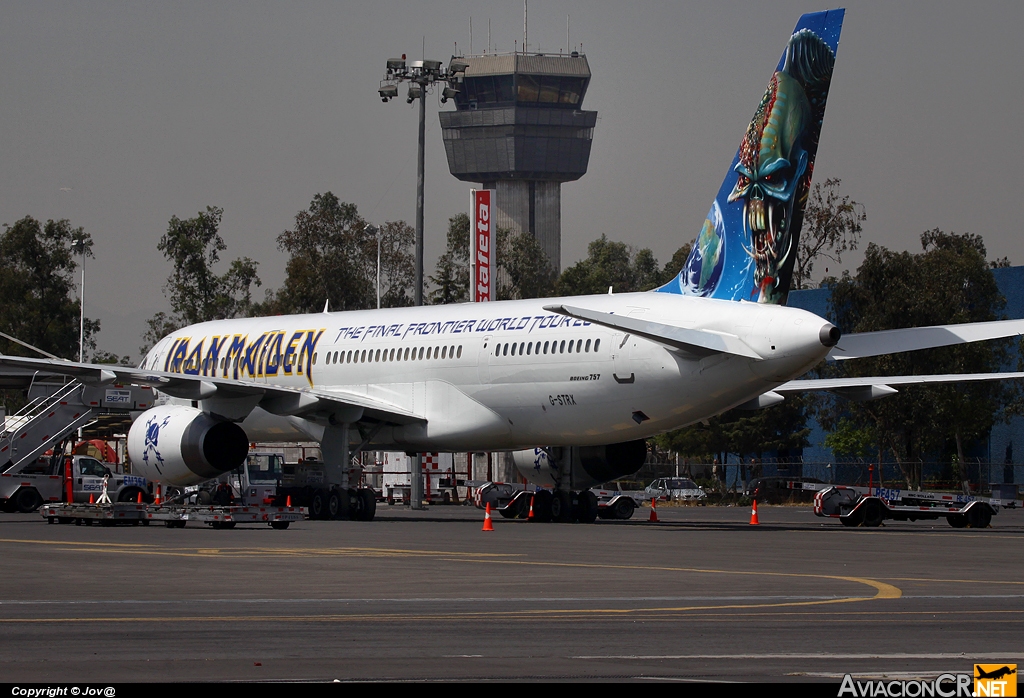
[(526, 31), (471, 35), (567, 33)]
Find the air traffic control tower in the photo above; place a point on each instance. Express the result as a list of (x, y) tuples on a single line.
[(518, 128)]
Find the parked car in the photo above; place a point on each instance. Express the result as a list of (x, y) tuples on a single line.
[(681, 488), (774, 490)]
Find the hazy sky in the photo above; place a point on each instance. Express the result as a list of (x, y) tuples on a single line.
[(119, 115)]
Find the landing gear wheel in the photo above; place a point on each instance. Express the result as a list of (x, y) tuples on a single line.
[(204, 498), (587, 507), (27, 500), (561, 507), (957, 520), (333, 510), (367, 504), (542, 506), (873, 514), (979, 516), (279, 525), (318, 505), (623, 508)]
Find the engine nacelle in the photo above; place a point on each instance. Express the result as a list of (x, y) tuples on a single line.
[(179, 445), (584, 466)]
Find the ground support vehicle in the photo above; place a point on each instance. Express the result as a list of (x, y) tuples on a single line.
[(265, 480), (172, 515), (46, 482), (617, 504), (514, 501), (305, 485), (870, 506)]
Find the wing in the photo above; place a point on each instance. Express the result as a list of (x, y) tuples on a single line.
[(874, 387), (864, 344), (229, 398), (694, 341)]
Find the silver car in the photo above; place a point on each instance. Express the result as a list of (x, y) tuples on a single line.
[(675, 488)]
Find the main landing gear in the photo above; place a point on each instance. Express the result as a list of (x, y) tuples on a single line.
[(560, 506), (338, 503)]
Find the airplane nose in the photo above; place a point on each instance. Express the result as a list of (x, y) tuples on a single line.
[(829, 335)]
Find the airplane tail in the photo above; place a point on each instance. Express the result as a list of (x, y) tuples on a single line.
[(748, 243)]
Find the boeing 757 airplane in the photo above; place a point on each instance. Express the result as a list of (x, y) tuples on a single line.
[(586, 379)]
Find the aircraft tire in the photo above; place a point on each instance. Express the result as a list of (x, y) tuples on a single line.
[(561, 507), (318, 505), (542, 506), (368, 502), (587, 507), (334, 505)]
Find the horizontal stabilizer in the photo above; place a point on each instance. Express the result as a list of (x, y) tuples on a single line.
[(864, 344), (701, 342), (867, 388)]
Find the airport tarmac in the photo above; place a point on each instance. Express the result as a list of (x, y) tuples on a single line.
[(700, 596)]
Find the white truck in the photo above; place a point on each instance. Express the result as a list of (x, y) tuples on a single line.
[(45, 481)]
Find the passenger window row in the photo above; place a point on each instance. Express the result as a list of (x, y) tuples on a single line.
[(528, 348), (361, 356)]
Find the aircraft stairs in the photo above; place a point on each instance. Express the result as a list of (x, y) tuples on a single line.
[(42, 423)]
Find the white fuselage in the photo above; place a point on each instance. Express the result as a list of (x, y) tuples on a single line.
[(505, 375)]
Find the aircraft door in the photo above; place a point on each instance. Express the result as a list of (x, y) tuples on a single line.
[(623, 371)]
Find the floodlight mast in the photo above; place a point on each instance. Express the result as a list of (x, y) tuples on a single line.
[(420, 75)]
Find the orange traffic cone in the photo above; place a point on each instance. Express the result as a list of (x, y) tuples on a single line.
[(288, 503), (654, 511), (753, 515), (488, 526), (530, 516), (156, 498), (139, 499), (91, 499)]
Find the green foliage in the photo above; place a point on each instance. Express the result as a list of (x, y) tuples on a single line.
[(780, 428), (451, 277), (831, 226), (196, 292), (523, 268), (949, 282), (849, 440), (333, 257), (38, 288), (614, 264)]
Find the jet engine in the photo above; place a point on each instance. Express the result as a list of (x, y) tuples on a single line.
[(178, 445), (580, 467)]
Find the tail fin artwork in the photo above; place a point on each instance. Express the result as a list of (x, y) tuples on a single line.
[(748, 244)]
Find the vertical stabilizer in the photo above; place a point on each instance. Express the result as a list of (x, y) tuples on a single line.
[(748, 243)]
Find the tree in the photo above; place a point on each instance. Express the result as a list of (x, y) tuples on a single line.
[(451, 277), (948, 282), (523, 269), (831, 226), (38, 288), (196, 292), (333, 257), (397, 266), (617, 265)]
